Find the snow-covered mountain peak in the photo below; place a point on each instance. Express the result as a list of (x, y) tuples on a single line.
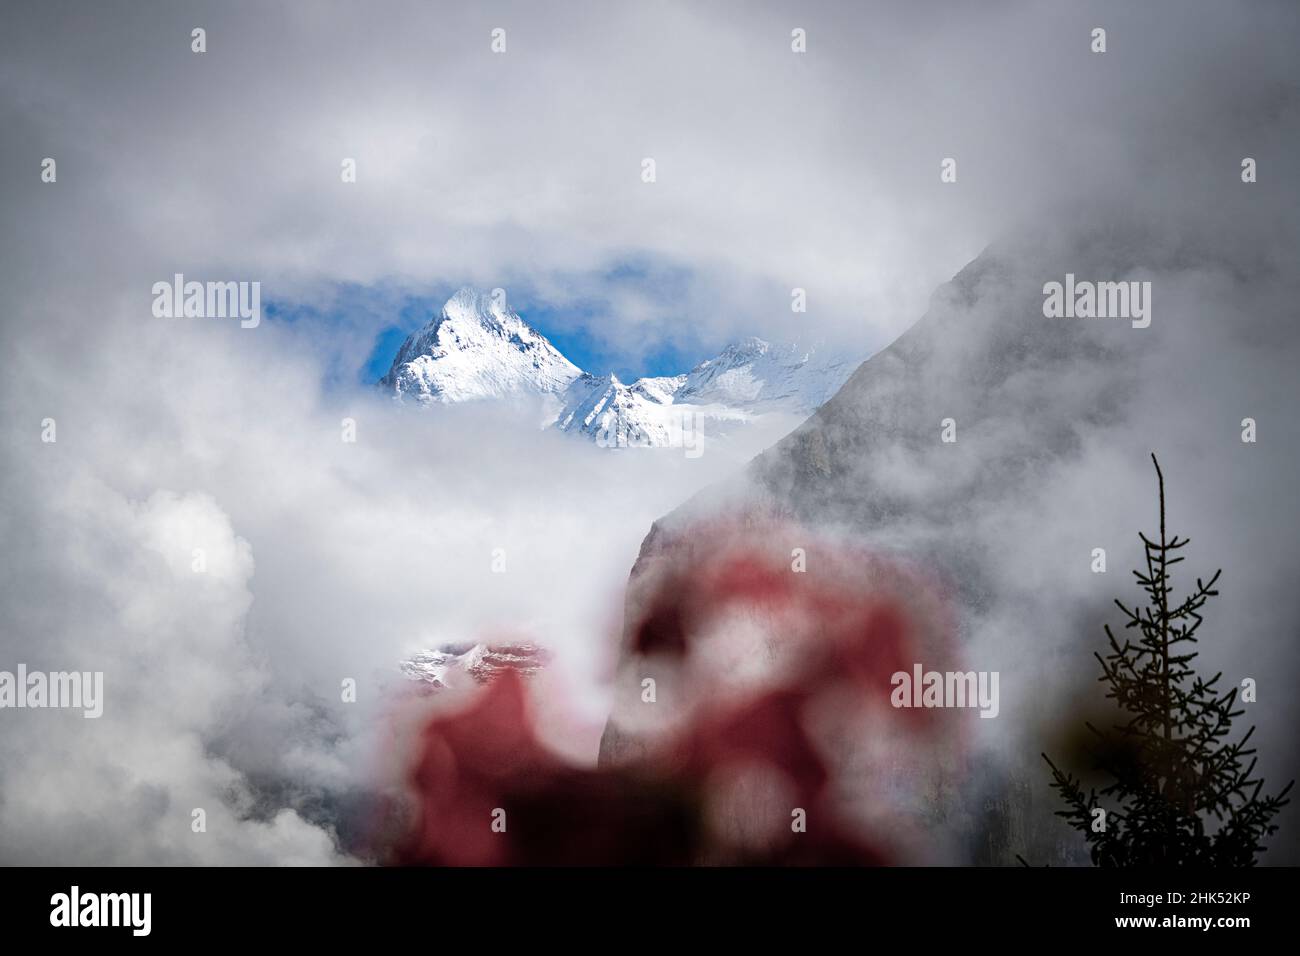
[(455, 665), (746, 350), (477, 348), (475, 306), (755, 373)]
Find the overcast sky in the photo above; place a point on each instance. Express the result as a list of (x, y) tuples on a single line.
[(522, 169), (775, 170)]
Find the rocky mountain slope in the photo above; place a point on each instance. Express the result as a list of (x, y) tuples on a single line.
[(998, 448)]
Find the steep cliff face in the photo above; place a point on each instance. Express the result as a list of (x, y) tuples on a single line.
[(998, 448)]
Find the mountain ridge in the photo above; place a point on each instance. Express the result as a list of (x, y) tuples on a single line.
[(477, 348)]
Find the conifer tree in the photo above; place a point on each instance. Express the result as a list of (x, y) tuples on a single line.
[(1181, 792)]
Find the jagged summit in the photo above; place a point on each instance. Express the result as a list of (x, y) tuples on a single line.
[(478, 348)]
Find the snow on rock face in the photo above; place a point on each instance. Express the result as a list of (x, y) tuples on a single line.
[(477, 348), (756, 373), (615, 415), (746, 380), (659, 390), (454, 665)]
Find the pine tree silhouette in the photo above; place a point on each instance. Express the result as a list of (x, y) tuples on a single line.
[(1182, 794)]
